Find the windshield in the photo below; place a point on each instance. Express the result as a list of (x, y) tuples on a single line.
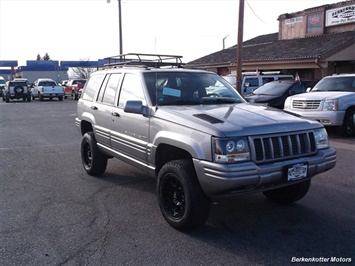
[(17, 83), (189, 88), (273, 88), (336, 84), (2, 81), (81, 81), (47, 83)]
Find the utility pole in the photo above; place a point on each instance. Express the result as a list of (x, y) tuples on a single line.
[(120, 25), (240, 46)]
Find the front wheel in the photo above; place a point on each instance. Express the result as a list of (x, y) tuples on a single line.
[(288, 194), (349, 124), (93, 160), (181, 199)]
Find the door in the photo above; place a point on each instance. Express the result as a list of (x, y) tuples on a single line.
[(103, 108), (129, 135)]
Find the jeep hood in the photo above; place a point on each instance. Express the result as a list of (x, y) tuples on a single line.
[(233, 120)]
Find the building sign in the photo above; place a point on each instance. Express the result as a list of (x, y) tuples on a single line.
[(340, 15), (315, 23), (294, 20)]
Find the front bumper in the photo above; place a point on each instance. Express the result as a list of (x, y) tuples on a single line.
[(327, 118), (221, 180)]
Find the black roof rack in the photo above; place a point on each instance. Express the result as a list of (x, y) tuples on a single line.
[(144, 60)]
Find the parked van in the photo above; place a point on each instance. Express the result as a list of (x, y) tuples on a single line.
[(251, 82), (2, 85)]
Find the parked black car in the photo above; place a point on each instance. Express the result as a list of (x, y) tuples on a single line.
[(274, 93)]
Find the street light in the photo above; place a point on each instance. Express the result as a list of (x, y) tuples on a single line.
[(223, 40), (119, 24)]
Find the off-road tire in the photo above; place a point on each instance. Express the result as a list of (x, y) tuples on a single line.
[(288, 194), (181, 199), (93, 160)]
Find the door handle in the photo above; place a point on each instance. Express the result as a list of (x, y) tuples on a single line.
[(93, 107), (115, 114)]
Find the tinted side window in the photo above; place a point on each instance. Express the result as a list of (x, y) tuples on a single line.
[(111, 88), (266, 80), (92, 86), (131, 90)]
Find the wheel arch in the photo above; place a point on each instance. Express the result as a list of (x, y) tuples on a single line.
[(85, 127), (166, 152)]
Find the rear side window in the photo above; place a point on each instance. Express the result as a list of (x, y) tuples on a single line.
[(108, 91), (93, 84), (253, 82)]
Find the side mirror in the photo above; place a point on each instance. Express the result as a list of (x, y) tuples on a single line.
[(246, 84), (135, 107), (308, 89)]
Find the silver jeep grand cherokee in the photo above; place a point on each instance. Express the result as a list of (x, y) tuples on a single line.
[(192, 131)]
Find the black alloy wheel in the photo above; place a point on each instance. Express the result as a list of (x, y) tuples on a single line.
[(93, 160), (181, 199)]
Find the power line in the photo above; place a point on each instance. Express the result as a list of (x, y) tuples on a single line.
[(255, 13)]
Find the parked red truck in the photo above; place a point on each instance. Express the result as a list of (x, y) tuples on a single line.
[(72, 88)]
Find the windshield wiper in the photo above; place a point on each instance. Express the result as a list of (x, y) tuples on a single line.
[(219, 100)]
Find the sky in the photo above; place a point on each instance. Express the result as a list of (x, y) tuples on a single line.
[(89, 29)]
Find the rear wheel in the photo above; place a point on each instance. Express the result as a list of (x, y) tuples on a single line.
[(288, 194), (181, 199), (93, 160), (60, 98)]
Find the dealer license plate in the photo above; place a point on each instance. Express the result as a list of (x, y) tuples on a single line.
[(297, 171)]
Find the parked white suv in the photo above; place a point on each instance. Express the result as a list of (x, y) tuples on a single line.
[(331, 102)]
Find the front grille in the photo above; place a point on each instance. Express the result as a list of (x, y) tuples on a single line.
[(270, 148), (305, 104)]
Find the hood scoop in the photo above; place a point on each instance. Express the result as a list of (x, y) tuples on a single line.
[(208, 118)]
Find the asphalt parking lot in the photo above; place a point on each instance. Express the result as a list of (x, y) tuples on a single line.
[(53, 213)]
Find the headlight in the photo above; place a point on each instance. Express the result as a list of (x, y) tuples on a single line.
[(287, 104), (330, 105), (231, 150), (321, 138)]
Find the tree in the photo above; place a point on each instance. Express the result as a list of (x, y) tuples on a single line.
[(46, 57), (81, 72)]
